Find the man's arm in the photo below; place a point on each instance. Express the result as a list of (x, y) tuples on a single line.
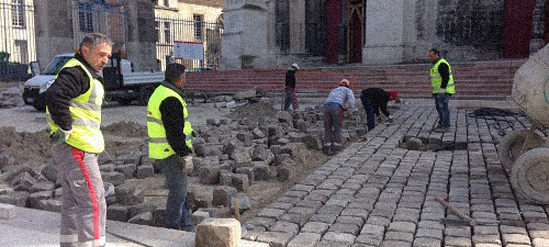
[(174, 123), (70, 83), (444, 72)]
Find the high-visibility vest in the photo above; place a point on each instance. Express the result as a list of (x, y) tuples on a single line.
[(436, 79), (159, 148), (85, 111)]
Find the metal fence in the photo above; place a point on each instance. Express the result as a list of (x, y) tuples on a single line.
[(184, 30), (17, 39)]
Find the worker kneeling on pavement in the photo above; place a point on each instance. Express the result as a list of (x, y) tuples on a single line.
[(374, 100), (334, 106), (170, 142), (73, 108)]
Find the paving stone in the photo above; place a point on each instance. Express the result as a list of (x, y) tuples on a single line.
[(339, 237), (378, 220), (402, 227), (305, 240), (328, 219), (494, 245), (429, 233), (345, 228), (486, 239), (315, 227), (325, 243), (512, 229), (281, 205), (515, 239), (308, 212), (275, 239), (261, 221), (350, 220), (399, 236), (281, 226), (370, 240), (330, 209), (392, 243), (464, 231), (457, 241), (426, 242), (486, 230), (298, 219), (540, 242), (271, 213), (314, 205), (371, 229)]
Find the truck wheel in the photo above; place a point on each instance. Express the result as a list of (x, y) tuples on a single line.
[(144, 95), (530, 175), (510, 146)]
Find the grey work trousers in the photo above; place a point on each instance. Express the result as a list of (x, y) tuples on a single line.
[(333, 122), (84, 210)]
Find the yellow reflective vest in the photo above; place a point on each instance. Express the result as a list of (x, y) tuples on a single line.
[(85, 111), (436, 79), (159, 148)]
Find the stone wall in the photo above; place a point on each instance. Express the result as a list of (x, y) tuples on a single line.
[(54, 33)]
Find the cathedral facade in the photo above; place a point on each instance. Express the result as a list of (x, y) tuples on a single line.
[(266, 33)]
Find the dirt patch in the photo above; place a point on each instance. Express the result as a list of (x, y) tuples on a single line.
[(25, 146), (254, 110), (125, 129)]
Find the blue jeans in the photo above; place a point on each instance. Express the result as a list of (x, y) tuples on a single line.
[(441, 103), (177, 212)]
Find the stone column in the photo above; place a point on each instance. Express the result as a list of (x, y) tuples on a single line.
[(141, 34), (297, 26), (244, 41), (538, 27), (385, 37)]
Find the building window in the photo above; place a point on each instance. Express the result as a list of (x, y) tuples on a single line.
[(155, 2), (17, 13), (197, 20), (167, 3), (167, 32), (85, 20), (157, 27)]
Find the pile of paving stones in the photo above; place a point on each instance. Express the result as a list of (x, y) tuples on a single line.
[(11, 97), (230, 154)]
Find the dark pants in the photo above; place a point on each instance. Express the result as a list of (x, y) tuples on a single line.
[(177, 212), (441, 103), (290, 99), (333, 121), (369, 108)]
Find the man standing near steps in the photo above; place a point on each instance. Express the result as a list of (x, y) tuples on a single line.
[(442, 82), (289, 91), (170, 141), (73, 108)]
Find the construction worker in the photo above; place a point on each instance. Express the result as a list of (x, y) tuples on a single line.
[(73, 108), (289, 91), (170, 142), (374, 100), (333, 115), (442, 82)]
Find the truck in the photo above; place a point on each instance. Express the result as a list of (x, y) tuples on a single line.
[(121, 83)]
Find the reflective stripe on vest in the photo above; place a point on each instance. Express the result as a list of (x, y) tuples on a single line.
[(85, 111), (159, 148), (436, 79)]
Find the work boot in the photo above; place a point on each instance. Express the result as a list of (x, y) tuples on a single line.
[(336, 147), (327, 149), (442, 129)]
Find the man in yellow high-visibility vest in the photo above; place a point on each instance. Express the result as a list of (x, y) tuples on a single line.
[(443, 88), (170, 136), (73, 108)]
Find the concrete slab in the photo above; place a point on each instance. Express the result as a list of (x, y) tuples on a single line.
[(41, 228)]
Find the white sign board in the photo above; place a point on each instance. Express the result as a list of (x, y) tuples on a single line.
[(188, 50)]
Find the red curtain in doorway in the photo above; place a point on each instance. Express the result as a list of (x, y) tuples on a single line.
[(333, 21), (518, 28)]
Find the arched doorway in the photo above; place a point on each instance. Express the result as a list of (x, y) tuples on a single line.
[(356, 10)]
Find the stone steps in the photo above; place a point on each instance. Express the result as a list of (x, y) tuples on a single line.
[(492, 79)]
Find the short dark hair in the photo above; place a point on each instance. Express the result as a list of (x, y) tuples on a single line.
[(174, 71), (435, 51), (93, 39)]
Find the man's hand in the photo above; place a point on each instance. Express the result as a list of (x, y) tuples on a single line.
[(60, 136), (442, 91), (188, 163)]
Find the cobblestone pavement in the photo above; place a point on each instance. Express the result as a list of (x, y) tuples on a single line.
[(375, 193)]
